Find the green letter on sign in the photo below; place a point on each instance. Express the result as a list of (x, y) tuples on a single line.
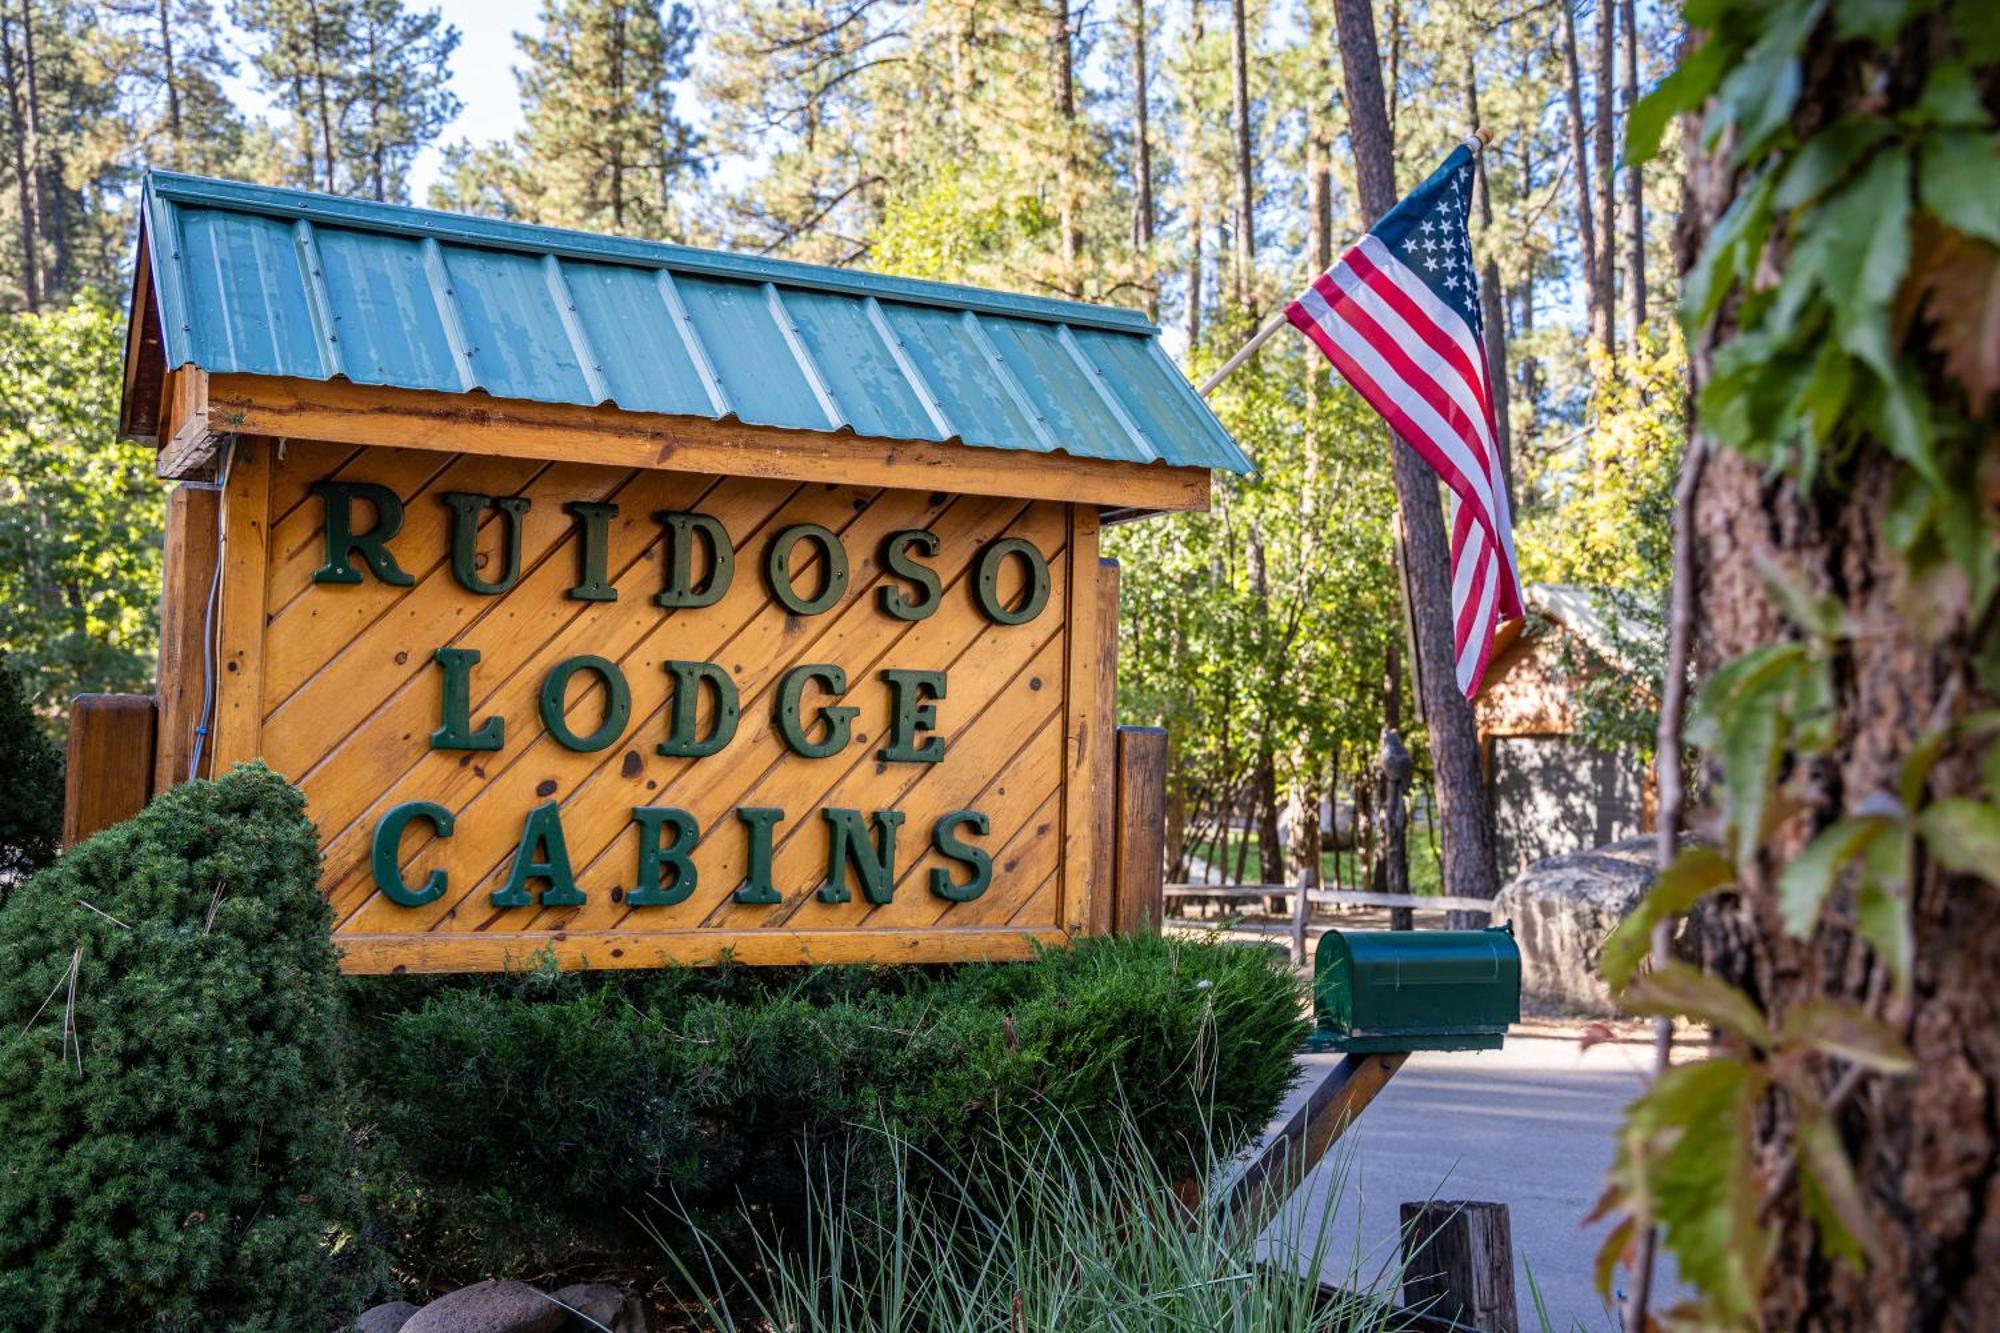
[(593, 547), (832, 568), (986, 583), (680, 590), (913, 714), (791, 725), (385, 860), (617, 703), (944, 837), (342, 541), (895, 557), (465, 510), (541, 855), (688, 677), (457, 732), (678, 855), (756, 889), (848, 843)]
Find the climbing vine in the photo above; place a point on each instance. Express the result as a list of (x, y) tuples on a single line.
[(1845, 305)]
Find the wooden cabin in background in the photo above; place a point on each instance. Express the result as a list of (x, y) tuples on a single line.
[(1552, 791)]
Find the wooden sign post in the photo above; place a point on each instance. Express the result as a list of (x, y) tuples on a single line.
[(640, 686)]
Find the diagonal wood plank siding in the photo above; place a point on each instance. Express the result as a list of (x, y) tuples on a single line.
[(346, 693)]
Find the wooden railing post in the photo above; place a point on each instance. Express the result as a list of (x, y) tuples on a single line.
[(110, 762), (1458, 1263), (1140, 871)]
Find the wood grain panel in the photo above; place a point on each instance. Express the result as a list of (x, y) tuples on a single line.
[(350, 694)]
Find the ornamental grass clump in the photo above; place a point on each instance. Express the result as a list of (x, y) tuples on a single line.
[(1043, 1230), (169, 1012)]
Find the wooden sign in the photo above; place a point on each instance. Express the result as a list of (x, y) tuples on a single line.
[(638, 716), (643, 604)]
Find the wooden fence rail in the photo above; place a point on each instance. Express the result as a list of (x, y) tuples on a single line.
[(1332, 897)]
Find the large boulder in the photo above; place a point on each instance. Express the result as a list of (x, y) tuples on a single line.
[(490, 1307), (601, 1306), (1562, 908)]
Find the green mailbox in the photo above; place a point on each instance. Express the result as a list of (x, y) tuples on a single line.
[(1410, 990)]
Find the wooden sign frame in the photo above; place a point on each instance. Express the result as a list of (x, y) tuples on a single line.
[(336, 722)]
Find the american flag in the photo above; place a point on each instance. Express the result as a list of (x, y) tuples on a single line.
[(1398, 315)]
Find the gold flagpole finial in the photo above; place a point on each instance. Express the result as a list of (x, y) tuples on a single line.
[(1478, 139)]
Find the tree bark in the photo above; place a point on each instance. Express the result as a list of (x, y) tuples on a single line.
[(31, 133), (1586, 227), (1142, 163), (1460, 782), (1492, 308), (1063, 49), (1925, 1146), (24, 187), (1635, 192), (1246, 188), (173, 84), (1606, 277)]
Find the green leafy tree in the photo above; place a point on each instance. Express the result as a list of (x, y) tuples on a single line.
[(81, 512), (171, 69), (31, 786), (605, 147), (363, 86)]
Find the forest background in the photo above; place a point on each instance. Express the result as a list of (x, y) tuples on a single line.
[(1186, 157)]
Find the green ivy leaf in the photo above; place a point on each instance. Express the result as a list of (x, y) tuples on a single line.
[(1832, 1195), (1681, 91), (1694, 874), (1964, 835), (1844, 1031), (1857, 245), (1825, 160), (1701, 1173), (1876, 20), (1960, 184), (1677, 990), (1806, 882), (1880, 917), (1758, 93), (1728, 257), (1950, 99)]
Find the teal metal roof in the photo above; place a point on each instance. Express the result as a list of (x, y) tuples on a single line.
[(255, 280)]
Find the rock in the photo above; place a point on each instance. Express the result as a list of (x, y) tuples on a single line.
[(1562, 908), (489, 1307), (597, 1306), (388, 1318)]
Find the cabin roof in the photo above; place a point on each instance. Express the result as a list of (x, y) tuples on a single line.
[(256, 280)]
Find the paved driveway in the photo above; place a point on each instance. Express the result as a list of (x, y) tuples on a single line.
[(1529, 1126)]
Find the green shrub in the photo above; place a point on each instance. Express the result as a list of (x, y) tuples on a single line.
[(169, 1074), (31, 786), (534, 1122)]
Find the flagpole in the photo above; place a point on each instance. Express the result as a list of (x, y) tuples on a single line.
[(1476, 141)]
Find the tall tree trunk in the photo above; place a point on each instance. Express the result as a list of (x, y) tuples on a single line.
[(1197, 227), (169, 75), (1142, 163), (1635, 191), (1063, 49), (1925, 1146), (1460, 783), (36, 168), (323, 94), (1492, 309), (24, 181), (1192, 315), (1246, 188), (1606, 277), (624, 114), (1586, 227)]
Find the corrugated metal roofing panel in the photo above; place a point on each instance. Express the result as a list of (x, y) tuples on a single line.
[(282, 282)]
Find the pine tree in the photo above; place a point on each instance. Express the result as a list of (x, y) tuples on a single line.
[(54, 181), (170, 68), (362, 86), (604, 148)]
